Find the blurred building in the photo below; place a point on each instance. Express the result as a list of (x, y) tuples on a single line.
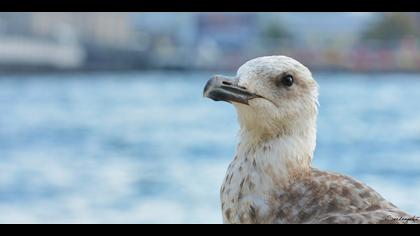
[(21, 48), (166, 37), (200, 39), (104, 28), (230, 31), (12, 23), (78, 40), (224, 39)]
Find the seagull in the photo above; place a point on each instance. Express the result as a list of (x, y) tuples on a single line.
[(271, 179)]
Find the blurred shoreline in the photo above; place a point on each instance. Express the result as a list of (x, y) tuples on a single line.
[(106, 42)]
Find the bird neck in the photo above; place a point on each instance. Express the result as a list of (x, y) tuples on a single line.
[(279, 158)]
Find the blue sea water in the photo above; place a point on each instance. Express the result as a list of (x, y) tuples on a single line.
[(148, 148)]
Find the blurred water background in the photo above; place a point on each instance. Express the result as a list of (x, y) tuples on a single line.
[(102, 118), (148, 148)]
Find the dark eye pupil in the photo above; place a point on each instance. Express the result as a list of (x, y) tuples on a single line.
[(287, 81)]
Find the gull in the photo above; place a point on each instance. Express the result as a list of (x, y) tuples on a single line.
[(271, 179)]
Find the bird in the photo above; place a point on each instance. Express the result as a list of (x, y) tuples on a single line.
[(271, 179)]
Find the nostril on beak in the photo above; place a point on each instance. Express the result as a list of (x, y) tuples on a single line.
[(226, 83)]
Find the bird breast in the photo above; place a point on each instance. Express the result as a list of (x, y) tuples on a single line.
[(245, 190)]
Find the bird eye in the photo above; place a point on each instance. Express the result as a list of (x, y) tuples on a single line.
[(287, 81)]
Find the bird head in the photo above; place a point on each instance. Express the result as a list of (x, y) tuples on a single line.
[(273, 95)]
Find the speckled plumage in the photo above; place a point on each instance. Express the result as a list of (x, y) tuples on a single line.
[(271, 179)]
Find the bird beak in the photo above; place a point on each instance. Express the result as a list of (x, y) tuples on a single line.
[(222, 88)]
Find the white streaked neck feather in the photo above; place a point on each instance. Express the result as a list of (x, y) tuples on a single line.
[(279, 157)]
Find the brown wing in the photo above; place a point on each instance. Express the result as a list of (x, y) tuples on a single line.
[(326, 197)]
